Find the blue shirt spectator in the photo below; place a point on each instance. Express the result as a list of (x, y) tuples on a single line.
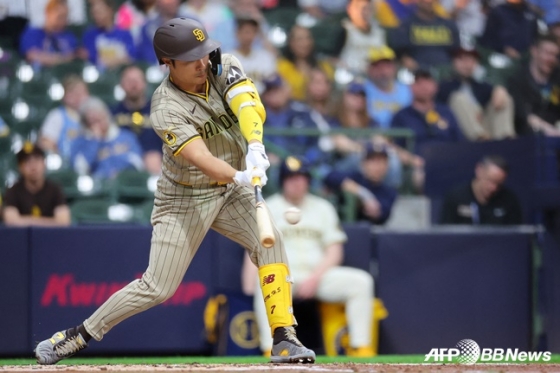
[(382, 105), (52, 44), (282, 112), (105, 45), (510, 28), (101, 43), (376, 198), (430, 121), (104, 149), (384, 94), (425, 40)]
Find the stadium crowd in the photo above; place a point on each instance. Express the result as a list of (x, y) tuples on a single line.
[(77, 76)]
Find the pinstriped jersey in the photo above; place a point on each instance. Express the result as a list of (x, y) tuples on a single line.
[(179, 117)]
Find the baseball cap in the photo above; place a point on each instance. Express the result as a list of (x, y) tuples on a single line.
[(273, 81), (29, 149), (356, 88), (293, 165), (374, 150), (377, 54)]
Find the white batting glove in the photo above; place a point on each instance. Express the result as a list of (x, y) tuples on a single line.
[(245, 178), (256, 157)]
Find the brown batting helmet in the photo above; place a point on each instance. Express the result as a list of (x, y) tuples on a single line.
[(183, 39)]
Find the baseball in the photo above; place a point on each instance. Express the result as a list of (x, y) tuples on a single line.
[(292, 215)]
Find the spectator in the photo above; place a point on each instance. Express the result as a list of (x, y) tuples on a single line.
[(469, 15), (510, 28), (425, 40), (62, 124), (348, 150), (390, 13), (483, 201), (52, 44), (164, 11), (298, 60), (105, 45), (361, 33), (483, 111), (216, 18), (133, 14), (34, 200), (385, 95), (554, 30), (133, 114), (315, 249), (375, 197), (429, 121), (257, 61), (104, 149), (283, 112), (535, 88), (251, 9)]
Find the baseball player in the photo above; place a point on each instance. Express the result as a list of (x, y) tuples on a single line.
[(315, 250), (210, 118)]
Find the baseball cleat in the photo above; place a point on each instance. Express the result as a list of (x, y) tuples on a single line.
[(58, 347), (289, 349)]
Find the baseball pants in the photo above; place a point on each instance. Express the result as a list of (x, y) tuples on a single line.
[(181, 218)]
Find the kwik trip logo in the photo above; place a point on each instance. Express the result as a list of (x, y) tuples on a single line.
[(468, 352)]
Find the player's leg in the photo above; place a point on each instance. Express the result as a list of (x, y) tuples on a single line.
[(176, 237), (354, 288), (237, 221)]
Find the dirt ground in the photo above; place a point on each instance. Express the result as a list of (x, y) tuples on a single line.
[(281, 368)]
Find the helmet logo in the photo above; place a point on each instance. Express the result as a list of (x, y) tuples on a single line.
[(199, 34)]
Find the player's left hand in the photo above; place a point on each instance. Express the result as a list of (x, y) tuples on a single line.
[(245, 178), (256, 157)]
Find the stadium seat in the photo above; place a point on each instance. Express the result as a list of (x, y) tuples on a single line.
[(131, 187), (283, 17), (144, 212), (100, 210), (68, 180)]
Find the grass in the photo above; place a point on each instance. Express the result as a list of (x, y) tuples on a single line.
[(383, 359)]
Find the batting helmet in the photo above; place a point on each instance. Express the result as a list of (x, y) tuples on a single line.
[(293, 166), (183, 39)]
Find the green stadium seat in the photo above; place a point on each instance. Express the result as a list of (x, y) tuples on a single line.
[(101, 210), (131, 186), (68, 180), (283, 17), (144, 212)]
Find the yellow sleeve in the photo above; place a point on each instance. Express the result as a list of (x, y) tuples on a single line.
[(245, 102), (385, 15)]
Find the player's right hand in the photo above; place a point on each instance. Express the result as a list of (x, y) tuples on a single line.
[(245, 177)]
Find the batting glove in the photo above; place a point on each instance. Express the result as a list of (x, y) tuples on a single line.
[(256, 157), (245, 178)]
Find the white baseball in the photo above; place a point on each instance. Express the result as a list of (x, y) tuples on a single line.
[(292, 215)]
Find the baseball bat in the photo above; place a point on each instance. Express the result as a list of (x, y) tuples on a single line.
[(264, 222)]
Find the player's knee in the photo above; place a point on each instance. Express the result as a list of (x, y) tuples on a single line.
[(362, 283)]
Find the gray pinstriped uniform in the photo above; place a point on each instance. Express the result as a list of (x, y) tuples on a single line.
[(187, 203)]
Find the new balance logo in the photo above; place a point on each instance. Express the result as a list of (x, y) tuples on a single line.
[(268, 279)]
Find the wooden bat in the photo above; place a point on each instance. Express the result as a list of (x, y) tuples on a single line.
[(264, 222)]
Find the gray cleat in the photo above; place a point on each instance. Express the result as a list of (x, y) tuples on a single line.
[(289, 349), (58, 347)]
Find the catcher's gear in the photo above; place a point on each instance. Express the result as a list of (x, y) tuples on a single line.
[(186, 39)]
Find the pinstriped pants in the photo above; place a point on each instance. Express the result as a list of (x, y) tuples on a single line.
[(181, 218)]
